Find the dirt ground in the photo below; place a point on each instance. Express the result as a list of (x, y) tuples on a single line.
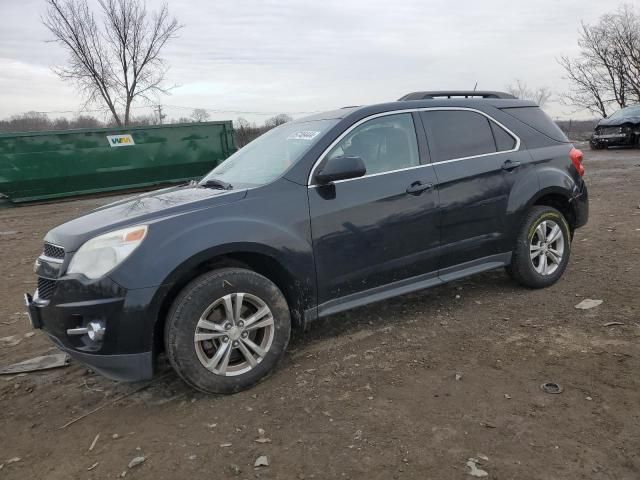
[(372, 393)]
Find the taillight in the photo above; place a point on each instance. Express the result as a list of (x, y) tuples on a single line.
[(576, 157)]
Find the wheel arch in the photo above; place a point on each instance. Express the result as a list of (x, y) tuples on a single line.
[(560, 199), (259, 258)]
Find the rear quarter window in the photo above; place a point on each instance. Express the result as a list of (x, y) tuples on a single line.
[(538, 120), (504, 141)]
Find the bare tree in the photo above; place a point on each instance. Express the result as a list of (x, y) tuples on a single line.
[(200, 115), (117, 60), (520, 89), (244, 131), (589, 89), (625, 39), (38, 121), (85, 121), (277, 120), (27, 122), (606, 74)]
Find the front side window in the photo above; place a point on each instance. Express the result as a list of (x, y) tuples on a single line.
[(385, 144), (457, 134), (270, 155)]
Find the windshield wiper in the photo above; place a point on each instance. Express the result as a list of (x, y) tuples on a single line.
[(218, 184), (190, 183)]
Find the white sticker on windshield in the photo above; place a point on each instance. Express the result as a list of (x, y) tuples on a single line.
[(305, 135)]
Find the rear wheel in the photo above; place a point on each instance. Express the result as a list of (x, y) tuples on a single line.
[(227, 330), (542, 249)]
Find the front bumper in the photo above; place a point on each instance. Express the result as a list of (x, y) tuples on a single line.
[(133, 367), (613, 139), (129, 317)]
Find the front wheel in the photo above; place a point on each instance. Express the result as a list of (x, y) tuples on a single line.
[(227, 330), (542, 249)]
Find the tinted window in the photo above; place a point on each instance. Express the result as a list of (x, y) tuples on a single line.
[(538, 120), (504, 141), (457, 134), (385, 143)]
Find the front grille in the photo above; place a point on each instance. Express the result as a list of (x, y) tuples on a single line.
[(53, 251), (610, 130), (46, 288)]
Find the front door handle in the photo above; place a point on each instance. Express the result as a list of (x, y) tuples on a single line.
[(416, 188), (510, 165)]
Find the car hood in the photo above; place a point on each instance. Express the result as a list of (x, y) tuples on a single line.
[(615, 122), (141, 209)]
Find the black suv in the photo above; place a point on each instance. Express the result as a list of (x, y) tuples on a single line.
[(317, 216)]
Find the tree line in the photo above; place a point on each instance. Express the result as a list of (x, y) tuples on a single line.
[(39, 121), (245, 131)]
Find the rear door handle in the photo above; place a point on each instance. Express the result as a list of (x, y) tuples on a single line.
[(416, 188), (510, 165)]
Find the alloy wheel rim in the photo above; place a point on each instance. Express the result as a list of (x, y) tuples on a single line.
[(234, 334), (547, 247)]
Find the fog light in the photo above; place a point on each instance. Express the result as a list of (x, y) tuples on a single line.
[(94, 330)]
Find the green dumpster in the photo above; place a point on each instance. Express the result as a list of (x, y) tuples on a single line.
[(47, 165)]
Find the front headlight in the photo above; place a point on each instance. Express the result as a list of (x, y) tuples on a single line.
[(103, 253)]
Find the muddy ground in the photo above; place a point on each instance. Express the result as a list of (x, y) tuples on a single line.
[(371, 393)]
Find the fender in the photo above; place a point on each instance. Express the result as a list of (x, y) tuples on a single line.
[(549, 173), (183, 242), (544, 178), (293, 253), (557, 180), (202, 241), (526, 186)]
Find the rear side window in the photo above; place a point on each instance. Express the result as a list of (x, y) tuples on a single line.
[(538, 120), (504, 141), (457, 134)]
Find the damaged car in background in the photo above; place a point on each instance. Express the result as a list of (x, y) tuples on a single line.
[(619, 130)]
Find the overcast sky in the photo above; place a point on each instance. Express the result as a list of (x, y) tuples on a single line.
[(299, 56)]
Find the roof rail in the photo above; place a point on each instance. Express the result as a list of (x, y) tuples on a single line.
[(455, 94)]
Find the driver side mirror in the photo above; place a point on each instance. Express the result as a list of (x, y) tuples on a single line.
[(341, 168)]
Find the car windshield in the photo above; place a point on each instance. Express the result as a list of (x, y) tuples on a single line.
[(627, 112), (270, 155)]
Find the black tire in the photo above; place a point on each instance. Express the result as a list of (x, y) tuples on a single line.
[(522, 268), (194, 300)]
